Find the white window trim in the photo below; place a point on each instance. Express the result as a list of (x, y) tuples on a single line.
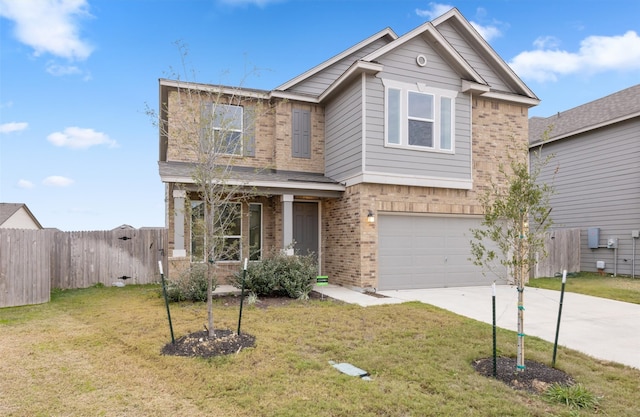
[(206, 211), (225, 129), (239, 237), (261, 231), (422, 88)]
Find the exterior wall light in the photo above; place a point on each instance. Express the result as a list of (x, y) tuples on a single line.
[(370, 217)]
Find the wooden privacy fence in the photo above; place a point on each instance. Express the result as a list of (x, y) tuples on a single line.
[(34, 261), (563, 252)]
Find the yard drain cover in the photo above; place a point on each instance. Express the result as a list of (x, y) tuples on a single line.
[(348, 369)]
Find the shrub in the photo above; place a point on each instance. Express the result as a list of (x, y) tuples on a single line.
[(278, 272), (259, 279), (574, 396), (191, 285), (296, 276)]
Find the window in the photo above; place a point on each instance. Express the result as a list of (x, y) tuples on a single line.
[(301, 134), (226, 232), (419, 117), (223, 124), (255, 232), (197, 231)]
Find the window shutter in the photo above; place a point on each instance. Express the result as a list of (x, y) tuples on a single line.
[(301, 135), (249, 131)]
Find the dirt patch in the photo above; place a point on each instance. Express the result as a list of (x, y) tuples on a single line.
[(535, 378)]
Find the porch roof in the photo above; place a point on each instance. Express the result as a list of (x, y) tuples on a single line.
[(266, 181)]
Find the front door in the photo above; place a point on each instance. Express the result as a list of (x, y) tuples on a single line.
[(305, 227)]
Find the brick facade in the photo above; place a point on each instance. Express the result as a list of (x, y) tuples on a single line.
[(348, 242)]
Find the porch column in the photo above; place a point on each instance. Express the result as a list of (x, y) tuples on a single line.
[(287, 220), (178, 224)]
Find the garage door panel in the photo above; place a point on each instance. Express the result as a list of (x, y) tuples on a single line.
[(427, 252)]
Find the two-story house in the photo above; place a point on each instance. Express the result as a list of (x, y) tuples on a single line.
[(375, 159)]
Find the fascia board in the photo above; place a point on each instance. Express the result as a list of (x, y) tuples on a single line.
[(292, 96), (514, 98), (218, 89), (354, 70), (386, 32), (486, 49), (263, 184)]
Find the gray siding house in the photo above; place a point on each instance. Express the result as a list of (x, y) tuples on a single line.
[(596, 148), (377, 158)]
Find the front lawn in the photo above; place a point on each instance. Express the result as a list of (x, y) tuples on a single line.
[(605, 286), (97, 352)]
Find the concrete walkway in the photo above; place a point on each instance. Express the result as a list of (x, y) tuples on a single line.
[(602, 328)]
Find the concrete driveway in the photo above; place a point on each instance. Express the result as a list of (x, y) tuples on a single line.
[(602, 328)]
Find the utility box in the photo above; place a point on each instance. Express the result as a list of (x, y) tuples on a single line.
[(593, 237), (612, 243)]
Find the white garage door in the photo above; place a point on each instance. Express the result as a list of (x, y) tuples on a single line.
[(427, 252)]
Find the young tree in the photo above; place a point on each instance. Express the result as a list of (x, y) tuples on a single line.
[(214, 127), (516, 216)]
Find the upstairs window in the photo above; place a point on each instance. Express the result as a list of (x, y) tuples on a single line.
[(418, 117), (222, 126)]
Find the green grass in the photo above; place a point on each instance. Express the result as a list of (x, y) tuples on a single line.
[(97, 352), (615, 288)]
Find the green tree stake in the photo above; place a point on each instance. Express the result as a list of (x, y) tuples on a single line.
[(555, 344), (166, 301), (495, 368), (244, 274)]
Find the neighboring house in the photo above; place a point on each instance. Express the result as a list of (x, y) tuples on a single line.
[(17, 216), (596, 148), (376, 158)]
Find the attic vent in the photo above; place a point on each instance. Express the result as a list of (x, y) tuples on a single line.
[(421, 60)]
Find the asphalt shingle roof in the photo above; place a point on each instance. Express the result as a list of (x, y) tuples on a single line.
[(600, 112)]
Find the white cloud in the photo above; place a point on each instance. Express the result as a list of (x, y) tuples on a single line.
[(25, 184), (488, 32), (60, 70), (49, 26), (548, 42), (57, 181), (596, 54), (434, 10), (13, 127), (79, 138)]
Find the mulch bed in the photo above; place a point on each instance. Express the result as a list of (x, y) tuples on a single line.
[(227, 342), (535, 378), (199, 344)]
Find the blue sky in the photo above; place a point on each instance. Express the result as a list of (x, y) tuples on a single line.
[(77, 75)]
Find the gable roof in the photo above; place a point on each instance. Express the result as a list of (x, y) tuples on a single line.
[(472, 80), (385, 33), (7, 210), (479, 43), (614, 108)]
